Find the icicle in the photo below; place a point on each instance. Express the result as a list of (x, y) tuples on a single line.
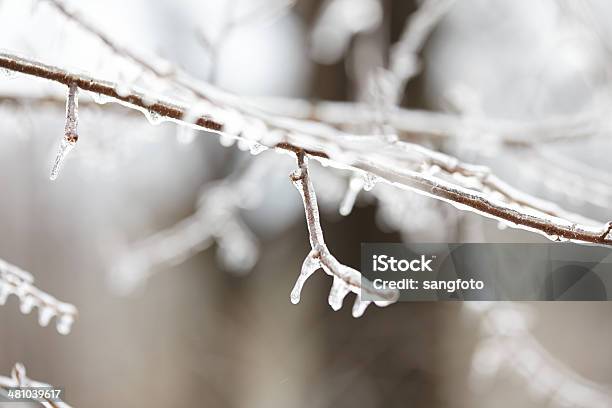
[(338, 292), (369, 181), (45, 314), (100, 99), (310, 265), (153, 117), (64, 324), (226, 140), (257, 148), (27, 304), (360, 306), (354, 187), (70, 132), (185, 134), (122, 89), (65, 148)]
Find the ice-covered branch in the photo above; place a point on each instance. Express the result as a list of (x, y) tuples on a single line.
[(403, 61), (19, 379), (15, 281), (442, 127), (217, 219), (411, 124), (346, 279), (398, 163)]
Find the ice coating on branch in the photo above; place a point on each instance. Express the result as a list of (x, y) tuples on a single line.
[(369, 181), (355, 185), (153, 117), (217, 219), (14, 281), (70, 132), (309, 266), (185, 134), (346, 279)]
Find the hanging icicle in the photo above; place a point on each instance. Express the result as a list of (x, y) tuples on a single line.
[(70, 133)]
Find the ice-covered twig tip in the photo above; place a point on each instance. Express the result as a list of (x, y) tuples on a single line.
[(70, 133), (346, 279)]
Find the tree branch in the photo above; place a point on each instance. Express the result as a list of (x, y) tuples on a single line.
[(398, 163), (15, 281), (346, 279)]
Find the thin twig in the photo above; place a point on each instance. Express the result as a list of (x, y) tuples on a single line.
[(15, 281), (345, 278)]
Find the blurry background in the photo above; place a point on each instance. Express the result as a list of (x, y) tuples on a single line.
[(210, 330)]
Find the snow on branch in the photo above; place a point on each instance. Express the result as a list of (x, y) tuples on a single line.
[(19, 379), (15, 281), (346, 279), (402, 164)]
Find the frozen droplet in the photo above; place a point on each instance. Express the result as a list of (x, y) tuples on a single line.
[(338, 292), (310, 265), (369, 181), (501, 225), (257, 148), (360, 306), (27, 304), (45, 314), (64, 324), (123, 89), (185, 134), (244, 145), (153, 117), (148, 100), (354, 187), (100, 99), (226, 140), (255, 130)]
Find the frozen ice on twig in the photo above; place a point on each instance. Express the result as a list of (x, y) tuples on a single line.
[(346, 279), (355, 185), (70, 132), (14, 281)]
